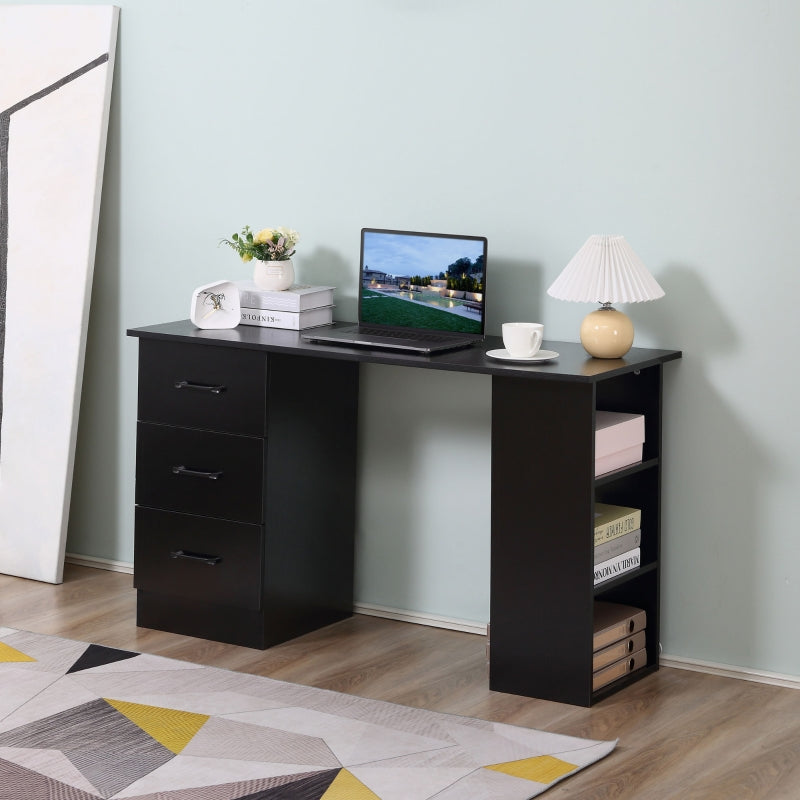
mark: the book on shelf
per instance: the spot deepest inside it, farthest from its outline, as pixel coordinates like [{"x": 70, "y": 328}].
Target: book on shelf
[
  {"x": 618, "y": 440},
  {"x": 615, "y": 547},
  {"x": 297, "y": 297},
  {"x": 615, "y": 621},
  {"x": 614, "y": 652},
  {"x": 619, "y": 669},
  {"x": 619, "y": 565},
  {"x": 622, "y": 458},
  {"x": 611, "y": 521},
  {"x": 293, "y": 320}
]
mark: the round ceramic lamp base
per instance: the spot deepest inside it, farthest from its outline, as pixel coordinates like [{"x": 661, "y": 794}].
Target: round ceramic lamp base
[{"x": 606, "y": 333}]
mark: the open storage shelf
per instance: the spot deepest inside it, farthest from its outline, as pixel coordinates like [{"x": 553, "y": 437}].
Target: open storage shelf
[{"x": 541, "y": 642}]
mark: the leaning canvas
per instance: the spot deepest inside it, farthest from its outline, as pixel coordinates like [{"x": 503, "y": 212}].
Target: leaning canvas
[{"x": 56, "y": 64}]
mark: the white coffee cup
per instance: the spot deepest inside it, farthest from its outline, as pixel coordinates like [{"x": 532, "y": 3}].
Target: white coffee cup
[{"x": 522, "y": 339}]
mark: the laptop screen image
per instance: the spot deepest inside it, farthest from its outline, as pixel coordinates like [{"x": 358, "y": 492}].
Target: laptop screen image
[{"x": 422, "y": 281}]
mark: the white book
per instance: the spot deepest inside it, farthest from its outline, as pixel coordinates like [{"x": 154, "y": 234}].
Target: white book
[
  {"x": 625, "y": 562},
  {"x": 296, "y": 298},
  {"x": 293, "y": 320}
]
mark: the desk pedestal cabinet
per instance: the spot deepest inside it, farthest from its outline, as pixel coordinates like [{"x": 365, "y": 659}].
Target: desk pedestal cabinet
[
  {"x": 246, "y": 494},
  {"x": 245, "y": 487}
]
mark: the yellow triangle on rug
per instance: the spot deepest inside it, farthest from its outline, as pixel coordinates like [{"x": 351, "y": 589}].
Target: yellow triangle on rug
[
  {"x": 346, "y": 786},
  {"x": 10, "y": 654},
  {"x": 168, "y": 726},
  {"x": 542, "y": 769}
]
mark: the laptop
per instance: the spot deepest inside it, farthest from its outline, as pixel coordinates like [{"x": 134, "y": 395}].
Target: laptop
[{"x": 418, "y": 292}]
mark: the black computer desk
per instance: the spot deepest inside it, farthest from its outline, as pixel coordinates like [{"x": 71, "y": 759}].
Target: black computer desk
[{"x": 263, "y": 550}]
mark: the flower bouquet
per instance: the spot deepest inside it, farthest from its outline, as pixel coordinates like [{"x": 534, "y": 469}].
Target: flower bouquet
[
  {"x": 268, "y": 244},
  {"x": 272, "y": 249}
]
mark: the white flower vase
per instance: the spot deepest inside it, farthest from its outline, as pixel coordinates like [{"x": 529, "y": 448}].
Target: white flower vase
[{"x": 273, "y": 275}]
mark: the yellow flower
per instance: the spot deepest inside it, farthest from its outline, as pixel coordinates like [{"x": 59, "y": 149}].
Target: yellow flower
[
  {"x": 246, "y": 257},
  {"x": 264, "y": 235}
]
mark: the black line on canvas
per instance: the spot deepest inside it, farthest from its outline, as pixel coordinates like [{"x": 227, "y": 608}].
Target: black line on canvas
[{"x": 5, "y": 129}]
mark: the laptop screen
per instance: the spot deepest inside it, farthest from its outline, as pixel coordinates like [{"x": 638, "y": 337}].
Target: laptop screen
[{"x": 424, "y": 281}]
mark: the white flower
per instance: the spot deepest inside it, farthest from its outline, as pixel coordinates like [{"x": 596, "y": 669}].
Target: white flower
[{"x": 291, "y": 236}]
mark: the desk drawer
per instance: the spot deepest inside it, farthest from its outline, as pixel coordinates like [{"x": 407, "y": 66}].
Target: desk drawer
[
  {"x": 200, "y": 472},
  {"x": 196, "y": 558},
  {"x": 218, "y": 388}
]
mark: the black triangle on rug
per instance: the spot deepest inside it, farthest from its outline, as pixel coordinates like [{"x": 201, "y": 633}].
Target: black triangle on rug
[{"x": 96, "y": 655}]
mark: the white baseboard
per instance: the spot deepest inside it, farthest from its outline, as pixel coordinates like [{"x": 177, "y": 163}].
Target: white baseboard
[
  {"x": 99, "y": 563},
  {"x": 725, "y": 670},
  {"x": 417, "y": 618},
  {"x": 728, "y": 671},
  {"x": 468, "y": 626},
  {"x": 367, "y": 609}
]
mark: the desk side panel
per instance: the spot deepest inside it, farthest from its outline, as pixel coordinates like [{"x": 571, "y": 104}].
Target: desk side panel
[
  {"x": 309, "y": 509},
  {"x": 542, "y": 495}
]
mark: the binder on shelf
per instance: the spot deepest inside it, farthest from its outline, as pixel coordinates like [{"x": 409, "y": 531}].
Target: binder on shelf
[
  {"x": 298, "y": 297},
  {"x": 618, "y": 440},
  {"x": 618, "y": 669},
  {"x": 615, "y": 621},
  {"x": 293, "y": 320},
  {"x": 618, "y": 650}
]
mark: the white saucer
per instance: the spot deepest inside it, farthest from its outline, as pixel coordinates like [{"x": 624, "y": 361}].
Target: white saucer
[{"x": 504, "y": 355}]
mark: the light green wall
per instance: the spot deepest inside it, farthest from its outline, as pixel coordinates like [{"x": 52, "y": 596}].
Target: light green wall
[{"x": 536, "y": 124}]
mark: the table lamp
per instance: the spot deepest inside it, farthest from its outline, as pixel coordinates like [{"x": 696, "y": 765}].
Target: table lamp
[{"x": 606, "y": 270}]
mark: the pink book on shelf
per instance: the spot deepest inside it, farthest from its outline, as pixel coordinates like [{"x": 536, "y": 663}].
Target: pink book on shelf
[{"x": 618, "y": 440}]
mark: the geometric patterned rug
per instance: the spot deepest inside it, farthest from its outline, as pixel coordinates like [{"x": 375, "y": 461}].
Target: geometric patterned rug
[{"x": 81, "y": 721}]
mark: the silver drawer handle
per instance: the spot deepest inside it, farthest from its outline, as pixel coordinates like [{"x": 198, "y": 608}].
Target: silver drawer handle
[
  {"x": 212, "y": 561},
  {"x": 201, "y": 387},
  {"x": 197, "y": 473}
]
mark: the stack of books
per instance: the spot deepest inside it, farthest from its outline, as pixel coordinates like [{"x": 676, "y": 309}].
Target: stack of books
[
  {"x": 295, "y": 308},
  {"x": 617, "y": 540},
  {"x": 618, "y": 643},
  {"x": 618, "y": 440}
]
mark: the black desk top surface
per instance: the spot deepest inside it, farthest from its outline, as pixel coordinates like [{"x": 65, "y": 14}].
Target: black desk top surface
[{"x": 573, "y": 363}]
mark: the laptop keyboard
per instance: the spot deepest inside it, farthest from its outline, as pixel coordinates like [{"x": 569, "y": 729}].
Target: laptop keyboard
[{"x": 414, "y": 336}]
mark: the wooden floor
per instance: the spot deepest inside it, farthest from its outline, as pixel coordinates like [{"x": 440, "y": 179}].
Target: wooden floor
[{"x": 681, "y": 734}]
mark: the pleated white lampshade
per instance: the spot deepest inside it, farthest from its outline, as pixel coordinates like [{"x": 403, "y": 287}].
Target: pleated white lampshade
[{"x": 606, "y": 270}]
